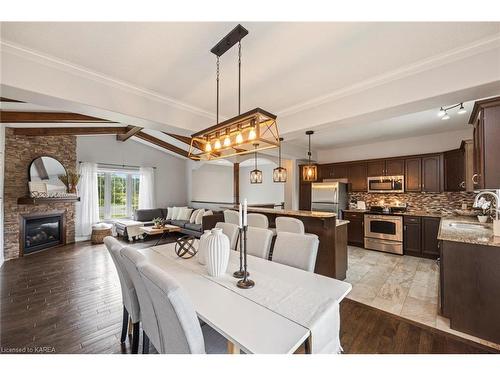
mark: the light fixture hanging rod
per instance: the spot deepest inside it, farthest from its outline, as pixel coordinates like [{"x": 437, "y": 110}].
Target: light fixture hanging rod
[
  {"x": 233, "y": 37},
  {"x": 451, "y": 107}
]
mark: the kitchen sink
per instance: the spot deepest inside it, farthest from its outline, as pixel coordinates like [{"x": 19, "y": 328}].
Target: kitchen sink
[{"x": 471, "y": 226}]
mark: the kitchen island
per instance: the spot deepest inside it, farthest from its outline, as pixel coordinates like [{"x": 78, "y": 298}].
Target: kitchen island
[{"x": 332, "y": 233}]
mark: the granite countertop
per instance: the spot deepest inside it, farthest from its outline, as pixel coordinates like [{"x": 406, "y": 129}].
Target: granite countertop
[
  {"x": 317, "y": 214},
  {"x": 482, "y": 235},
  {"x": 408, "y": 213},
  {"x": 341, "y": 222}
]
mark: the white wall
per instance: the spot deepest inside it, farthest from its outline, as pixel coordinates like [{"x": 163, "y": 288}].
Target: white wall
[
  {"x": 211, "y": 182},
  {"x": 170, "y": 173},
  {"x": 267, "y": 192},
  {"x": 398, "y": 147}
]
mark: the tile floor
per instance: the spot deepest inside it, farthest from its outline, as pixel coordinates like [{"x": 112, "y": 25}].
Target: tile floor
[{"x": 403, "y": 285}]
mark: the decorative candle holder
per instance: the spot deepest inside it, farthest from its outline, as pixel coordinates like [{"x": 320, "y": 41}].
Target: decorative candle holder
[
  {"x": 245, "y": 283},
  {"x": 241, "y": 273}
]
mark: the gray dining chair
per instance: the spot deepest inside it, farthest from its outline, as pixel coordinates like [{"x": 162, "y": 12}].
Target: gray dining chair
[
  {"x": 129, "y": 297},
  {"x": 150, "y": 332},
  {"x": 231, "y": 216},
  {"x": 296, "y": 250},
  {"x": 231, "y": 231},
  {"x": 259, "y": 242},
  {"x": 289, "y": 224},
  {"x": 179, "y": 329},
  {"x": 257, "y": 220}
]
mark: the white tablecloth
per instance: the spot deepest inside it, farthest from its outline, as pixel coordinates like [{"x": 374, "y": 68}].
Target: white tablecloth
[{"x": 308, "y": 299}]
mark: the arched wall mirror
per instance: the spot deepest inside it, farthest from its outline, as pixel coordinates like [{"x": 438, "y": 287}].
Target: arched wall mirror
[{"x": 44, "y": 173}]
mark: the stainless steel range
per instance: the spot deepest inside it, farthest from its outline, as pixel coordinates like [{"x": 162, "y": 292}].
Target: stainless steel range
[{"x": 384, "y": 233}]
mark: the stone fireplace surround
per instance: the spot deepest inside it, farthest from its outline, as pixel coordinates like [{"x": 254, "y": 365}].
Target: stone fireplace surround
[{"x": 19, "y": 152}]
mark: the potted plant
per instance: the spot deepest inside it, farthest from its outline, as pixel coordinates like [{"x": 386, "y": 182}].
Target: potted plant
[
  {"x": 158, "y": 222},
  {"x": 485, "y": 207}
]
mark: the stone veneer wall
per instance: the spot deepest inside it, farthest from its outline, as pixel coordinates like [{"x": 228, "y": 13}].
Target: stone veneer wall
[
  {"x": 433, "y": 203},
  {"x": 19, "y": 152}
]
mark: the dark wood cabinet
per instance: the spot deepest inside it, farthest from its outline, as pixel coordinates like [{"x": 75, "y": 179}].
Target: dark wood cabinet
[
  {"x": 413, "y": 174},
  {"x": 412, "y": 235},
  {"x": 420, "y": 236},
  {"x": 431, "y": 173},
  {"x": 376, "y": 168},
  {"x": 327, "y": 171},
  {"x": 430, "y": 243},
  {"x": 304, "y": 192},
  {"x": 454, "y": 170},
  {"x": 355, "y": 228},
  {"x": 389, "y": 167},
  {"x": 485, "y": 118},
  {"x": 357, "y": 177},
  {"x": 394, "y": 167}
]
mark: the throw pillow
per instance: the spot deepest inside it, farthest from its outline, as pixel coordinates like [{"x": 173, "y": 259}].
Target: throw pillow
[
  {"x": 192, "y": 219},
  {"x": 169, "y": 213},
  {"x": 180, "y": 214},
  {"x": 186, "y": 213},
  {"x": 199, "y": 216},
  {"x": 207, "y": 213},
  {"x": 175, "y": 212}
]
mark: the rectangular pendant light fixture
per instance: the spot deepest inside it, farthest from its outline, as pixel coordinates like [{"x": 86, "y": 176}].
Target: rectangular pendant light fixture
[{"x": 253, "y": 131}]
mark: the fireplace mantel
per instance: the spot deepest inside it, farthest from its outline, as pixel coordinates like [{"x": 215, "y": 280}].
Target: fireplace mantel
[{"x": 31, "y": 200}]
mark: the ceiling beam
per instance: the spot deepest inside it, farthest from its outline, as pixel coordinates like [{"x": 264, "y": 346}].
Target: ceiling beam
[
  {"x": 7, "y": 100},
  {"x": 161, "y": 143},
  {"x": 70, "y": 131},
  {"x": 26, "y": 117},
  {"x": 131, "y": 131}
]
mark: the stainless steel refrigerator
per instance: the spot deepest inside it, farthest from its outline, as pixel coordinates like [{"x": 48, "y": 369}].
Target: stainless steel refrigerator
[{"x": 329, "y": 197}]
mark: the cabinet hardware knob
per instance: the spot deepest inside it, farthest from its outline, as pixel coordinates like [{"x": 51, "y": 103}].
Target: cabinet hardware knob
[{"x": 475, "y": 177}]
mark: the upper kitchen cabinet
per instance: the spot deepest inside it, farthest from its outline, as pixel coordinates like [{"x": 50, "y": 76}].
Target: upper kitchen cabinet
[
  {"x": 454, "y": 169},
  {"x": 330, "y": 171},
  {"x": 485, "y": 118},
  {"x": 413, "y": 174},
  {"x": 431, "y": 173},
  {"x": 394, "y": 167},
  {"x": 389, "y": 167},
  {"x": 357, "y": 177}
]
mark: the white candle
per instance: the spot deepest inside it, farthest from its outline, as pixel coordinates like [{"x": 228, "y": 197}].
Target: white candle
[
  {"x": 240, "y": 217},
  {"x": 245, "y": 207}
]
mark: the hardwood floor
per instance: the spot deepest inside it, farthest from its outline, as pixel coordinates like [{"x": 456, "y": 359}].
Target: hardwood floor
[{"x": 68, "y": 300}]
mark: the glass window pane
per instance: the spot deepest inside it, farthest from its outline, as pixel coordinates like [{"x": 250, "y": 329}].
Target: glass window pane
[
  {"x": 118, "y": 195},
  {"x": 101, "y": 180}
]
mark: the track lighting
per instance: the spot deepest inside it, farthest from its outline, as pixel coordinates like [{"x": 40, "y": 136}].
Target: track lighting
[{"x": 443, "y": 111}]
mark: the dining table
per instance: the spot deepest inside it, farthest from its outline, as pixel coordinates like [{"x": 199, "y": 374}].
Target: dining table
[{"x": 287, "y": 307}]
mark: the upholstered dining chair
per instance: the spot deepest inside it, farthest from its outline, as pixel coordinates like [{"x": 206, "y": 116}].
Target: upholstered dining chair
[
  {"x": 289, "y": 224},
  {"x": 129, "y": 297},
  {"x": 132, "y": 259},
  {"x": 231, "y": 216},
  {"x": 231, "y": 231},
  {"x": 257, "y": 220},
  {"x": 259, "y": 242},
  {"x": 296, "y": 250},
  {"x": 179, "y": 329}
]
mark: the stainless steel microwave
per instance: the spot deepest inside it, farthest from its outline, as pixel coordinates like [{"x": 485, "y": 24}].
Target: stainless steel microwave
[{"x": 386, "y": 184}]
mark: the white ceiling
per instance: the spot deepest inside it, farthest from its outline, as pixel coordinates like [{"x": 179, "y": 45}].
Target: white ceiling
[
  {"x": 414, "y": 124},
  {"x": 284, "y": 64}
]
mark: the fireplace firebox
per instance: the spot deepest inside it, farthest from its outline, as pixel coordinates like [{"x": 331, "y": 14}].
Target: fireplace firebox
[{"x": 41, "y": 231}]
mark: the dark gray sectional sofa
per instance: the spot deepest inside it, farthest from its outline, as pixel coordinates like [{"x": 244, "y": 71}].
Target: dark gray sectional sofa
[{"x": 147, "y": 215}]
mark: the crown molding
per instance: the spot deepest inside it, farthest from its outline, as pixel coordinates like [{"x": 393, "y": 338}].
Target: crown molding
[
  {"x": 54, "y": 62},
  {"x": 477, "y": 47}
]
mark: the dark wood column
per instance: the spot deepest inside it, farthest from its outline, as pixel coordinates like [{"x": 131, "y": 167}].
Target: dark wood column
[{"x": 236, "y": 183}]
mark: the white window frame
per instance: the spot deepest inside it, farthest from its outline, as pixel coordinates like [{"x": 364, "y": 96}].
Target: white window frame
[{"x": 107, "y": 190}]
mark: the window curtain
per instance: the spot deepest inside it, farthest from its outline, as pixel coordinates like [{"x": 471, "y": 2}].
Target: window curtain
[
  {"x": 87, "y": 210},
  {"x": 146, "y": 188}
]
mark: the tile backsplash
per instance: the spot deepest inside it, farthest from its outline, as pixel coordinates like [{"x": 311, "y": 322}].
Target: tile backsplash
[{"x": 435, "y": 203}]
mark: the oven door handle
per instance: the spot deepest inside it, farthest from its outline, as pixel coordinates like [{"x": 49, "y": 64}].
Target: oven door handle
[{"x": 384, "y": 242}]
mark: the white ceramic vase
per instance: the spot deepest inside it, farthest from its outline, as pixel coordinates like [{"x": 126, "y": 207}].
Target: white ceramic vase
[
  {"x": 217, "y": 252},
  {"x": 202, "y": 248},
  {"x": 482, "y": 218}
]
